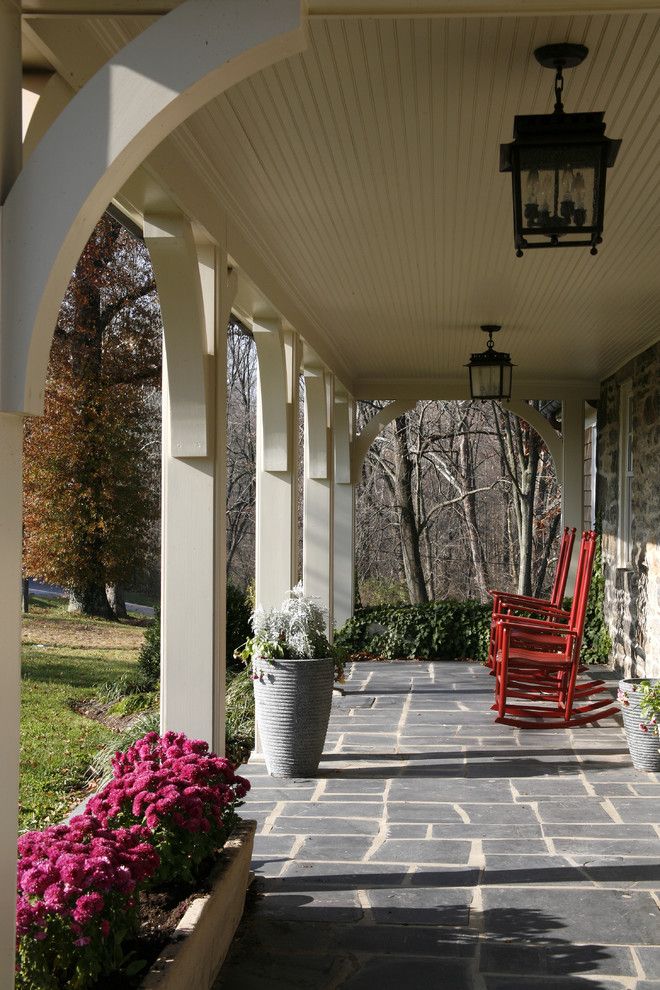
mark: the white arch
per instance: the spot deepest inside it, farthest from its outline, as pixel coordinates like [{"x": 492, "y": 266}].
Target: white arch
[
  {"x": 543, "y": 427},
  {"x": 384, "y": 416},
  {"x": 374, "y": 428},
  {"x": 134, "y": 101}
]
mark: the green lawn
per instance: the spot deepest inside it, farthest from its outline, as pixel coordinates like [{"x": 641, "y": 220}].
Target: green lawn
[{"x": 56, "y": 742}]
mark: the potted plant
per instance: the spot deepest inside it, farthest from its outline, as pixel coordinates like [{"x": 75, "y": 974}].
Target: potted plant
[
  {"x": 640, "y": 704},
  {"x": 293, "y": 669}
]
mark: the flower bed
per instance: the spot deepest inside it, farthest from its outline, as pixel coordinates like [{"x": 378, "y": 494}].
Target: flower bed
[{"x": 168, "y": 809}]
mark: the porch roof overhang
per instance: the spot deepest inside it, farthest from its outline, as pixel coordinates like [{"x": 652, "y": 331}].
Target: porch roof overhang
[{"x": 362, "y": 194}]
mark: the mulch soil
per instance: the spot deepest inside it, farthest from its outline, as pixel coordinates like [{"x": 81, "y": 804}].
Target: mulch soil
[{"x": 160, "y": 913}]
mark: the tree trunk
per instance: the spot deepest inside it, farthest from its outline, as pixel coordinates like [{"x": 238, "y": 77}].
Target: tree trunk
[
  {"x": 90, "y": 600},
  {"x": 25, "y": 594},
  {"x": 116, "y": 600},
  {"x": 412, "y": 558},
  {"x": 543, "y": 563},
  {"x": 470, "y": 514}
]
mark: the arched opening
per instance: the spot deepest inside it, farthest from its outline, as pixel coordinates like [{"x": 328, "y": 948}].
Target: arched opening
[{"x": 454, "y": 498}]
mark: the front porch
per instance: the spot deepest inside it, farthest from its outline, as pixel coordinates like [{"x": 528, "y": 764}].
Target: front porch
[{"x": 437, "y": 849}]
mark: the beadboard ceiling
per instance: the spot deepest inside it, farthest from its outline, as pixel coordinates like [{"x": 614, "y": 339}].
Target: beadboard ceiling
[{"x": 366, "y": 170}]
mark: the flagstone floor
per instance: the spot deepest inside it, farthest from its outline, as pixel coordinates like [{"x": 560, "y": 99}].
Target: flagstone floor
[{"x": 435, "y": 849}]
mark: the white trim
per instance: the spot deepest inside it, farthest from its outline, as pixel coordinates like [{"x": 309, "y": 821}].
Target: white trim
[{"x": 623, "y": 542}]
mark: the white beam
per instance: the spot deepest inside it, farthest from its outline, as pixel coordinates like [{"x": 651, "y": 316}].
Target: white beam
[
  {"x": 11, "y": 102},
  {"x": 411, "y": 390}
]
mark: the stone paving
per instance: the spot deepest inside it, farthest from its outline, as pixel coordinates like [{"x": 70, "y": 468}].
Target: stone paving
[{"x": 436, "y": 849}]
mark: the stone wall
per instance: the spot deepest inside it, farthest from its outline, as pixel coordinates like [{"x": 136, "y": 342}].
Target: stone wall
[{"x": 632, "y": 596}]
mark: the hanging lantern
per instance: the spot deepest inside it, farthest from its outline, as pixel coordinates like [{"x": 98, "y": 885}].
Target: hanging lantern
[
  {"x": 490, "y": 370},
  {"x": 558, "y": 164}
]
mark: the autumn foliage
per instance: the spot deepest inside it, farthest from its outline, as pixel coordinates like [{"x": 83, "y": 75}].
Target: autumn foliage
[{"x": 91, "y": 462}]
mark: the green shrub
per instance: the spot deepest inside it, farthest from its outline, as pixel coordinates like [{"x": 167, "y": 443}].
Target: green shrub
[
  {"x": 239, "y": 629},
  {"x": 100, "y": 770},
  {"x": 131, "y": 704},
  {"x": 443, "y": 630},
  {"x": 596, "y": 642},
  {"x": 239, "y": 732},
  {"x": 149, "y": 657},
  {"x": 378, "y": 591}
]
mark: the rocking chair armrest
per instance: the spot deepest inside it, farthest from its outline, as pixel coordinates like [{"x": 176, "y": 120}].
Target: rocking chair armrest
[
  {"x": 522, "y": 600},
  {"x": 519, "y": 622},
  {"x": 540, "y": 609}
]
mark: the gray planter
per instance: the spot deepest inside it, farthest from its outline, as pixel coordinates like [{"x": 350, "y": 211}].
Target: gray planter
[
  {"x": 644, "y": 746},
  {"x": 292, "y": 700}
]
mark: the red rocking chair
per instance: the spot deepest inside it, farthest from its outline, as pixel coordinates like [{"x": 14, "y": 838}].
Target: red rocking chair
[
  {"x": 538, "y": 661},
  {"x": 505, "y": 603}
]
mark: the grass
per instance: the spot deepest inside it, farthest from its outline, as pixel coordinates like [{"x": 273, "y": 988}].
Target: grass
[
  {"x": 141, "y": 598},
  {"x": 65, "y": 658}
]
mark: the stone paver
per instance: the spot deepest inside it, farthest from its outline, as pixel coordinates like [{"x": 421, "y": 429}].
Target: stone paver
[{"x": 435, "y": 849}]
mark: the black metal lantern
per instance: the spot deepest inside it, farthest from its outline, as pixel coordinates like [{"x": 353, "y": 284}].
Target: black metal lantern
[
  {"x": 558, "y": 163},
  {"x": 490, "y": 370}
]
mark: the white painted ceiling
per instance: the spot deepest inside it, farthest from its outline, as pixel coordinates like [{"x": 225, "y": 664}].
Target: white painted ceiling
[{"x": 366, "y": 169}]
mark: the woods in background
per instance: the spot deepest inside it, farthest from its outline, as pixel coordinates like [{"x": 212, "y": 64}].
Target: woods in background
[
  {"x": 92, "y": 462},
  {"x": 455, "y": 496}
]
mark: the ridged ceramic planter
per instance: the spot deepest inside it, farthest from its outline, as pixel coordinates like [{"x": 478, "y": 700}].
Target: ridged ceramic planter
[
  {"x": 292, "y": 701},
  {"x": 644, "y": 746}
]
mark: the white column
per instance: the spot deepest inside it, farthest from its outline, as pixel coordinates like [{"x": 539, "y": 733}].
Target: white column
[
  {"x": 344, "y": 512},
  {"x": 11, "y": 501},
  {"x": 195, "y": 300},
  {"x": 276, "y": 564},
  {"x": 11, "y": 444},
  {"x": 318, "y": 535},
  {"x": 572, "y": 492}
]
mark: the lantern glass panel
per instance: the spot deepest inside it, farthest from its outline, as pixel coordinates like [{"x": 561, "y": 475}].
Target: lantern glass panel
[
  {"x": 559, "y": 188},
  {"x": 485, "y": 381},
  {"x": 506, "y": 381}
]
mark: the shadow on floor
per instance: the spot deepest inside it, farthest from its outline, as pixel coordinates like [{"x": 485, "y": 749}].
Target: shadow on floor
[
  {"x": 502, "y": 949},
  {"x": 457, "y": 877}
]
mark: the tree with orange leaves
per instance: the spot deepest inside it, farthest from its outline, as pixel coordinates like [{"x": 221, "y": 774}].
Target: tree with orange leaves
[{"x": 91, "y": 462}]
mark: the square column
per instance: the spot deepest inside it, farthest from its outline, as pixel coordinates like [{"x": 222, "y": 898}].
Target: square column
[
  {"x": 344, "y": 512},
  {"x": 11, "y": 504},
  {"x": 11, "y": 510},
  {"x": 572, "y": 491},
  {"x": 276, "y": 564},
  {"x": 318, "y": 516},
  {"x": 195, "y": 295}
]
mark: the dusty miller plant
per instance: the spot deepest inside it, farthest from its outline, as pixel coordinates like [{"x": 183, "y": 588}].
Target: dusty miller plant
[
  {"x": 297, "y": 626},
  {"x": 295, "y": 630}
]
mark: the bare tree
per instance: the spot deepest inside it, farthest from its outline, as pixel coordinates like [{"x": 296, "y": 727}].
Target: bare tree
[{"x": 241, "y": 452}]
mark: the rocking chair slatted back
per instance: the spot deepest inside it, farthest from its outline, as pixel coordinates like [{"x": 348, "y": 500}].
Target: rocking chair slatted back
[
  {"x": 539, "y": 661},
  {"x": 504, "y": 603},
  {"x": 563, "y": 565}
]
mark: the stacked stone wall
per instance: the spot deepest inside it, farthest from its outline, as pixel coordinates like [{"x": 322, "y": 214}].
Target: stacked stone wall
[{"x": 632, "y": 595}]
